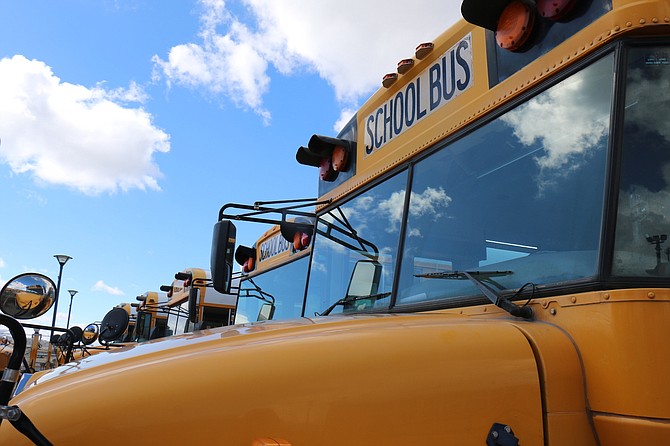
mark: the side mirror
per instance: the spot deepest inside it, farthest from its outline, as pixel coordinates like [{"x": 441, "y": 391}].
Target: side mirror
[
  {"x": 113, "y": 325},
  {"x": 193, "y": 305},
  {"x": 223, "y": 251},
  {"x": 365, "y": 278},
  {"x": 267, "y": 312},
  {"x": 90, "y": 334},
  {"x": 27, "y": 296}
]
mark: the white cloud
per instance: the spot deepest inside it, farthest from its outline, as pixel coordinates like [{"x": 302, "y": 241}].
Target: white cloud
[
  {"x": 2, "y": 263},
  {"x": 429, "y": 202},
  {"x": 102, "y": 286},
  {"x": 349, "y": 43},
  {"x": 65, "y": 134},
  {"x": 581, "y": 104}
]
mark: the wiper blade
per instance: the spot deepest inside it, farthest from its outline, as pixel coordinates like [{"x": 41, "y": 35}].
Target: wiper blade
[
  {"x": 478, "y": 278},
  {"x": 349, "y": 299}
]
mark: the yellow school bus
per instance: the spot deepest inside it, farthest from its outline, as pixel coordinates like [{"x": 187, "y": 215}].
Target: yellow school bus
[
  {"x": 489, "y": 262},
  {"x": 194, "y": 305},
  {"x": 272, "y": 284}
]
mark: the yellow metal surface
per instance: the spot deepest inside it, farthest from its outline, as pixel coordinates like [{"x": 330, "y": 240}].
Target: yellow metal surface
[
  {"x": 620, "y": 337},
  {"x": 392, "y": 380}
]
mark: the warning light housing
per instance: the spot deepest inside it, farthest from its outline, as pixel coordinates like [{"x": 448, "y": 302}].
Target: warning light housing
[
  {"x": 246, "y": 257},
  {"x": 299, "y": 232},
  {"x": 330, "y": 155}
]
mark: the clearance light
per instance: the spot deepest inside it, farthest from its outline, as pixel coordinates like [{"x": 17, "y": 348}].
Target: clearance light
[
  {"x": 246, "y": 257},
  {"x": 330, "y": 155},
  {"x": 405, "y": 65},
  {"x": 555, "y": 9},
  {"x": 423, "y": 49},
  {"x": 515, "y": 25},
  {"x": 389, "y": 79}
]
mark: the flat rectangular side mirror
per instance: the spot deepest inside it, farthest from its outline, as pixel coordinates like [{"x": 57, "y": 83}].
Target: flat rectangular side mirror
[
  {"x": 364, "y": 279},
  {"x": 267, "y": 312},
  {"x": 223, "y": 251},
  {"x": 193, "y": 305}
]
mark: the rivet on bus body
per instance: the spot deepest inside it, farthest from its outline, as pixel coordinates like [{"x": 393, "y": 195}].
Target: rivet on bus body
[
  {"x": 617, "y": 28},
  {"x": 553, "y": 311},
  {"x": 654, "y": 20},
  {"x": 651, "y": 295},
  {"x": 629, "y": 24},
  {"x": 642, "y": 21},
  {"x": 606, "y": 296},
  {"x": 573, "y": 299}
]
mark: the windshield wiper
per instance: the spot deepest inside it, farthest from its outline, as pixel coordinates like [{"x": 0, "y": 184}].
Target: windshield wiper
[
  {"x": 349, "y": 299},
  {"x": 494, "y": 296}
]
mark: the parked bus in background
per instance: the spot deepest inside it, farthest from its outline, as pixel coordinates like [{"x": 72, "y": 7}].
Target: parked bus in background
[
  {"x": 488, "y": 259},
  {"x": 194, "y": 305},
  {"x": 272, "y": 284}
]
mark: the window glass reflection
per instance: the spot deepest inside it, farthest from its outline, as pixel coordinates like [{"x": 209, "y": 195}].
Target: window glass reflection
[
  {"x": 643, "y": 220},
  {"x": 376, "y": 216},
  {"x": 522, "y": 194},
  {"x": 286, "y": 284}
]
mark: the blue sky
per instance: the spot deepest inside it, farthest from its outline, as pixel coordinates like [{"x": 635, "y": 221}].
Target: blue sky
[{"x": 126, "y": 125}]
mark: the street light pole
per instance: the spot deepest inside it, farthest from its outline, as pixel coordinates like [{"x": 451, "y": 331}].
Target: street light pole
[
  {"x": 72, "y": 293},
  {"x": 62, "y": 260}
]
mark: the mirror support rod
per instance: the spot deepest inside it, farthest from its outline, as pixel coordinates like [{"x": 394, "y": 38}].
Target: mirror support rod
[{"x": 260, "y": 208}]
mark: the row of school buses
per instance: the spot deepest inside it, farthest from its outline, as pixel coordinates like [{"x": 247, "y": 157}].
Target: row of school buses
[
  {"x": 486, "y": 264},
  {"x": 268, "y": 287}
]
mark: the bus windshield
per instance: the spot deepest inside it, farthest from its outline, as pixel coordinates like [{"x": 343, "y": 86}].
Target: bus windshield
[
  {"x": 523, "y": 193},
  {"x": 286, "y": 284}
]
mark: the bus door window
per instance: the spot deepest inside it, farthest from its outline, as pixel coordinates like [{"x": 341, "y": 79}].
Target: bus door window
[
  {"x": 524, "y": 193},
  {"x": 376, "y": 215},
  {"x": 643, "y": 221}
]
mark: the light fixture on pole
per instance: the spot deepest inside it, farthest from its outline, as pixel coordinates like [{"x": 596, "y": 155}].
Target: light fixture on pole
[
  {"x": 62, "y": 260},
  {"x": 72, "y": 293}
]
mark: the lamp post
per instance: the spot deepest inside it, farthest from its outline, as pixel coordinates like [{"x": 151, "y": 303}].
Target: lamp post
[
  {"x": 72, "y": 293},
  {"x": 62, "y": 260}
]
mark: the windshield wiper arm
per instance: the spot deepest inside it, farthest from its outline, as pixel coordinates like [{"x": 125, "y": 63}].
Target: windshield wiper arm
[
  {"x": 350, "y": 299},
  {"x": 494, "y": 296}
]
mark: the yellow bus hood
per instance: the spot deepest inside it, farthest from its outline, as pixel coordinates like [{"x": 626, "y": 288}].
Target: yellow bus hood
[{"x": 391, "y": 379}]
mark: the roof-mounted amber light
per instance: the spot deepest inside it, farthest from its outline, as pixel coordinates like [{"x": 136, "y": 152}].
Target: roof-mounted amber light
[
  {"x": 423, "y": 50},
  {"x": 389, "y": 79},
  {"x": 405, "y": 65},
  {"x": 330, "y": 155}
]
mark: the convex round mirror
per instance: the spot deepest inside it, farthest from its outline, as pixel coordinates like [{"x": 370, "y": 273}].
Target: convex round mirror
[
  {"x": 27, "y": 296},
  {"x": 90, "y": 334}
]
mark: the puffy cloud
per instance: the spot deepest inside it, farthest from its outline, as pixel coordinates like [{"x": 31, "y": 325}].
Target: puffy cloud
[
  {"x": 102, "y": 286},
  {"x": 84, "y": 138},
  {"x": 350, "y": 44}
]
